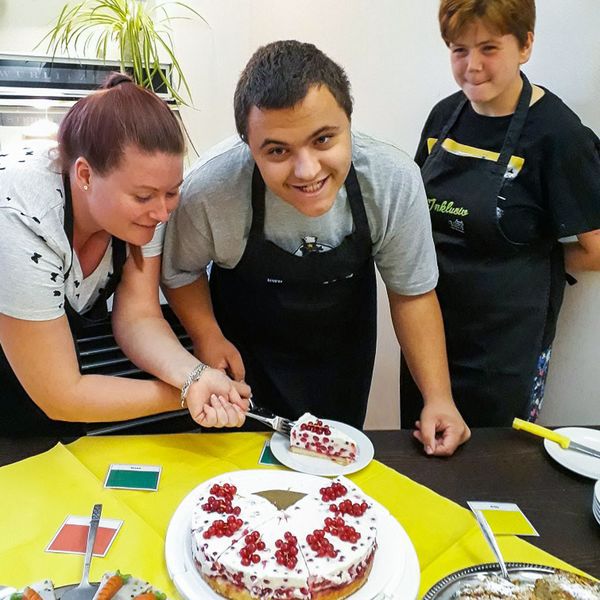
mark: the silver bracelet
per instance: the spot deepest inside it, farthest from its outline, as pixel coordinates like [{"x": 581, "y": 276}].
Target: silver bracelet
[{"x": 194, "y": 375}]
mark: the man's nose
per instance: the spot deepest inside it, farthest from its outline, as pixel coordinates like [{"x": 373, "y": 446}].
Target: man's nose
[{"x": 306, "y": 165}]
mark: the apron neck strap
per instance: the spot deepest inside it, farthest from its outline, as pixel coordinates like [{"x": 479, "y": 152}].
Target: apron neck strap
[
  {"x": 68, "y": 224},
  {"x": 355, "y": 200},
  {"x": 449, "y": 125},
  {"x": 515, "y": 128},
  {"x": 258, "y": 203}
]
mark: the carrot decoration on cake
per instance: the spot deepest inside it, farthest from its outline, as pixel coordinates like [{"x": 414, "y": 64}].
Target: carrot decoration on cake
[
  {"x": 41, "y": 590},
  {"x": 113, "y": 584},
  {"x": 27, "y": 594}
]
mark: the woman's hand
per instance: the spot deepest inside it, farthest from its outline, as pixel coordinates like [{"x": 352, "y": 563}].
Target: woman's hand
[{"x": 214, "y": 400}]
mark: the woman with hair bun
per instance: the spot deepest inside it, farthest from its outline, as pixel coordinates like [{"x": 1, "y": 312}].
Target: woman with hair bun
[
  {"x": 73, "y": 231},
  {"x": 508, "y": 170}
]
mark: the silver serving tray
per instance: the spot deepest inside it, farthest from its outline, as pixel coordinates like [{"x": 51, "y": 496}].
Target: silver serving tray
[
  {"x": 59, "y": 591},
  {"x": 450, "y": 585}
]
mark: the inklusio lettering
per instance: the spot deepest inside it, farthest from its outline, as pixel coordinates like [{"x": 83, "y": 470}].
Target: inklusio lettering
[{"x": 447, "y": 207}]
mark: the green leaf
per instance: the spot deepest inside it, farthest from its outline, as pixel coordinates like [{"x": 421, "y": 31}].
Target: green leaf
[{"x": 136, "y": 29}]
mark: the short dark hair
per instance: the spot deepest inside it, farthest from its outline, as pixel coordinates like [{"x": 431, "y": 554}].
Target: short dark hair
[
  {"x": 280, "y": 74},
  {"x": 515, "y": 17},
  {"x": 100, "y": 126}
]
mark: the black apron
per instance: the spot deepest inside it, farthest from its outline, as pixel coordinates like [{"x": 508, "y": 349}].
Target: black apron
[
  {"x": 19, "y": 415},
  {"x": 304, "y": 325},
  {"x": 499, "y": 299}
]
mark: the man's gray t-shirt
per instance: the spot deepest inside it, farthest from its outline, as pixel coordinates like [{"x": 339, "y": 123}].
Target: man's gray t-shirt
[
  {"x": 212, "y": 222},
  {"x": 35, "y": 252}
]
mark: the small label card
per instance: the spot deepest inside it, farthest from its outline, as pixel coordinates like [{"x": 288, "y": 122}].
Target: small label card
[
  {"x": 71, "y": 537},
  {"x": 133, "y": 477},
  {"x": 504, "y": 518},
  {"x": 267, "y": 457}
]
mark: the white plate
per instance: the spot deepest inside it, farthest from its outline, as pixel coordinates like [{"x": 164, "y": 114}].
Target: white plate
[
  {"x": 584, "y": 464},
  {"x": 395, "y": 567},
  {"x": 597, "y": 494},
  {"x": 280, "y": 446}
]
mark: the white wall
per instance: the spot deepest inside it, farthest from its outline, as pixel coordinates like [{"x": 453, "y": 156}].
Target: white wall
[{"x": 398, "y": 66}]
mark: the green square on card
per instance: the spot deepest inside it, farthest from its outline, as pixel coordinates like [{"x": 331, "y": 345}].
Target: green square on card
[{"x": 139, "y": 480}]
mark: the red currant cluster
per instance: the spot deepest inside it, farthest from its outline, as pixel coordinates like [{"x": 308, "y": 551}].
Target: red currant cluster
[
  {"x": 221, "y": 528},
  {"x": 320, "y": 544},
  {"x": 338, "y": 527},
  {"x": 223, "y": 491},
  {"x": 317, "y": 427},
  {"x": 253, "y": 544},
  {"x": 333, "y": 492},
  {"x": 222, "y": 506},
  {"x": 287, "y": 551},
  {"x": 346, "y": 507},
  {"x": 221, "y": 499}
]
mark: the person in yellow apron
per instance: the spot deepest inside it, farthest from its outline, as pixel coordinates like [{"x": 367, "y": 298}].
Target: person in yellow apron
[
  {"x": 65, "y": 225},
  {"x": 508, "y": 170}
]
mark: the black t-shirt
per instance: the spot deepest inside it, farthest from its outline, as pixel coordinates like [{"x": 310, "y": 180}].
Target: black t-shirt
[{"x": 554, "y": 172}]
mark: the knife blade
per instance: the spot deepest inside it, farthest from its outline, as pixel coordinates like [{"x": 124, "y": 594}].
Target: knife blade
[{"x": 562, "y": 440}]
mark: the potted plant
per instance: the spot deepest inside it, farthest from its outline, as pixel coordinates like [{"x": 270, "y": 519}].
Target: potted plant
[{"x": 140, "y": 29}]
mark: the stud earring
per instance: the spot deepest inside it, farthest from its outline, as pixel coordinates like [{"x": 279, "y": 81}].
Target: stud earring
[{"x": 85, "y": 188}]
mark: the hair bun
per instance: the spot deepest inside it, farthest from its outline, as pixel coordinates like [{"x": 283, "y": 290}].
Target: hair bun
[{"x": 115, "y": 79}]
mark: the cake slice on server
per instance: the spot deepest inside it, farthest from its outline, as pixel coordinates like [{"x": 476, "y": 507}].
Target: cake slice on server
[{"x": 313, "y": 437}]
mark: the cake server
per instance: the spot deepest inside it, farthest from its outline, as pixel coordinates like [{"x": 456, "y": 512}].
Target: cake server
[
  {"x": 562, "y": 440},
  {"x": 265, "y": 416},
  {"x": 86, "y": 590},
  {"x": 491, "y": 540}
]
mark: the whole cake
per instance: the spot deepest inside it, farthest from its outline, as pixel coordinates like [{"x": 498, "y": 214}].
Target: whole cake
[
  {"x": 313, "y": 437},
  {"x": 320, "y": 547}
]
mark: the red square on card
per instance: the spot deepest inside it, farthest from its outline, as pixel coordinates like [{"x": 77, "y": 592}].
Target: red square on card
[{"x": 73, "y": 538}]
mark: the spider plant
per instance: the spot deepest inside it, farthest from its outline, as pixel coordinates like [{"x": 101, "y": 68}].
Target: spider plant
[{"x": 139, "y": 29}]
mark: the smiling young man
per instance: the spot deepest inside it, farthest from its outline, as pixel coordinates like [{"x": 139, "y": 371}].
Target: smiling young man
[{"x": 294, "y": 217}]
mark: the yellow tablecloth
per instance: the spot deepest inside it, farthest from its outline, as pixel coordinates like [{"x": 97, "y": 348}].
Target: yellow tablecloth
[{"x": 39, "y": 492}]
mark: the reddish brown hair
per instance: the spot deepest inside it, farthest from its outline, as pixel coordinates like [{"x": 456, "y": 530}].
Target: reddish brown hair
[
  {"x": 516, "y": 17},
  {"x": 101, "y": 125}
]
